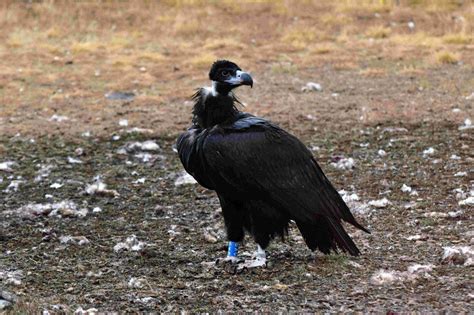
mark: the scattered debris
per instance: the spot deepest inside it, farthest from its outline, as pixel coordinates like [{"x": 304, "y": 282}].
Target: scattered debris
[
  {"x": 64, "y": 208},
  {"x": 11, "y": 277},
  {"x": 394, "y": 130},
  {"x": 43, "y": 172},
  {"x": 209, "y": 237},
  {"x": 120, "y": 96},
  {"x": 184, "y": 179},
  {"x": 79, "y": 240},
  {"x": 146, "y": 157},
  {"x": 435, "y": 214},
  {"x": 139, "y": 130},
  {"x": 72, "y": 160},
  {"x": 383, "y": 277},
  {"x": 469, "y": 201},
  {"x": 96, "y": 210},
  {"x": 13, "y": 186},
  {"x": 79, "y": 151},
  {"x": 123, "y": 122},
  {"x": 381, "y": 203},
  {"x": 467, "y": 125},
  {"x": 133, "y": 147},
  {"x": 460, "y": 174},
  {"x": 130, "y": 244},
  {"x": 415, "y": 271},
  {"x": 4, "y": 304},
  {"x": 455, "y": 214},
  {"x": 140, "y": 181},
  {"x": 458, "y": 255},
  {"x": 429, "y": 151},
  {"x": 418, "y": 269},
  {"x": 58, "y": 118},
  {"x": 417, "y": 237},
  {"x": 406, "y": 188},
  {"x": 100, "y": 188},
  {"x": 312, "y": 87},
  {"x": 7, "y": 166},
  {"x": 470, "y": 97},
  {"x": 146, "y": 299},
  {"x": 56, "y": 185},
  {"x": 342, "y": 163},
  {"x": 81, "y": 311},
  {"x": 136, "y": 283},
  {"x": 381, "y": 153}
]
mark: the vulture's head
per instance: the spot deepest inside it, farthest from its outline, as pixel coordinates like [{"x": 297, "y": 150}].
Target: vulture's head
[{"x": 226, "y": 76}]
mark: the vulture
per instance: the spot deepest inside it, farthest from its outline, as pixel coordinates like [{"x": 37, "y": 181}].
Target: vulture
[{"x": 264, "y": 177}]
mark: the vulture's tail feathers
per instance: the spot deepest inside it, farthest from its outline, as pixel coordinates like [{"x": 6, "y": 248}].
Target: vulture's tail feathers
[{"x": 342, "y": 239}]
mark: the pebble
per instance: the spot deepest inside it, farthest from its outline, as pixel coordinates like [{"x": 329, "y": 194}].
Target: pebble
[{"x": 312, "y": 87}]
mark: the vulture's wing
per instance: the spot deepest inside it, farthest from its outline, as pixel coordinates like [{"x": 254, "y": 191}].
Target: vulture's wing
[{"x": 257, "y": 158}]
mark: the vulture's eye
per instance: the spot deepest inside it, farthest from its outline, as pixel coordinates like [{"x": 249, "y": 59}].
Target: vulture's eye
[{"x": 225, "y": 73}]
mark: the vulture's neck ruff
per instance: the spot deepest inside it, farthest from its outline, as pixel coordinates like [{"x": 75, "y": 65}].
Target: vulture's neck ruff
[{"x": 214, "y": 105}]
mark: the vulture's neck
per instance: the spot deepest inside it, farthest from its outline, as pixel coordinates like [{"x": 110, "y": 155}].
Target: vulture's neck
[{"x": 212, "y": 108}]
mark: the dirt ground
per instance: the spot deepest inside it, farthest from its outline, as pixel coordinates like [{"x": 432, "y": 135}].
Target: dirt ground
[{"x": 95, "y": 210}]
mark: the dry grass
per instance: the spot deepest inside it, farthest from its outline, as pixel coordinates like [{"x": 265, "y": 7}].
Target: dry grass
[
  {"x": 378, "y": 32},
  {"x": 447, "y": 57},
  {"x": 458, "y": 39},
  {"x": 54, "y": 43}
]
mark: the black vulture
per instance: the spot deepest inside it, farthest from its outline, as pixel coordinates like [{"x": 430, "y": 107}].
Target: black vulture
[{"x": 264, "y": 177}]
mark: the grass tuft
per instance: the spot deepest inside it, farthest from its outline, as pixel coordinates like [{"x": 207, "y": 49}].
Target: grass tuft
[
  {"x": 378, "y": 32},
  {"x": 203, "y": 61},
  {"x": 446, "y": 57},
  {"x": 284, "y": 68},
  {"x": 457, "y": 39}
]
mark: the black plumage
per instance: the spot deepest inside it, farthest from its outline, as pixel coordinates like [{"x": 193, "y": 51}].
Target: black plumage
[{"x": 264, "y": 176}]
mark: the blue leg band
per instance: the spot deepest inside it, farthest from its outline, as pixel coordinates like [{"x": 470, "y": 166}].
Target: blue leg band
[{"x": 233, "y": 249}]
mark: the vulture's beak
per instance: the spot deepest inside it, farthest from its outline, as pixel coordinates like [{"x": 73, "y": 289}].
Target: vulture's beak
[{"x": 240, "y": 78}]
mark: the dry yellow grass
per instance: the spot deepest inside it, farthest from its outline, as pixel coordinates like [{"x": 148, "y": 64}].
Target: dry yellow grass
[
  {"x": 284, "y": 67},
  {"x": 97, "y": 46},
  {"x": 373, "y": 72},
  {"x": 458, "y": 39},
  {"x": 323, "y": 49},
  {"x": 203, "y": 61},
  {"x": 378, "y": 32},
  {"x": 416, "y": 39},
  {"x": 446, "y": 57}
]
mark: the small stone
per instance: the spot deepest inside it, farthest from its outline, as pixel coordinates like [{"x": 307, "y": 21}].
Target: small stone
[
  {"x": 429, "y": 151},
  {"x": 467, "y": 125},
  {"x": 56, "y": 185},
  {"x": 312, "y": 87},
  {"x": 96, "y": 210},
  {"x": 381, "y": 203},
  {"x": 184, "y": 179},
  {"x": 4, "y": 304},
  {"x": 406, "y": 188},
  {"x": 72, "y": 160}
]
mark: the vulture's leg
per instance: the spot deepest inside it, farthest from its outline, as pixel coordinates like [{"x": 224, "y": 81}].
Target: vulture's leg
[{"x": 259, "y": 259}]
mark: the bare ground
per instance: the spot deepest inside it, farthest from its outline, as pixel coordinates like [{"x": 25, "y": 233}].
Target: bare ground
[
  {"x": 182, "y": 226},
  {"x": 387, "y": 85}
]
